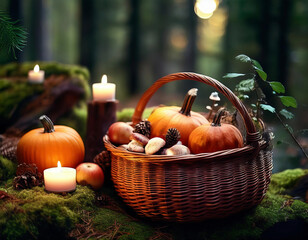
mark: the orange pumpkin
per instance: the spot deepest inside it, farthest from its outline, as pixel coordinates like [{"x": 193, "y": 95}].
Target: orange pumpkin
[
  {"x": 183, "y": 119},
  {"x": 215, "y": 136},
  {"x": 46, "y": 146}
]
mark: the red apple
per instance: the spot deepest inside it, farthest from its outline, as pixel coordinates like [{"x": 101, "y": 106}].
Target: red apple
[
  {"x": 90, "y": 174},
  {"x": 119, "y": 133}
]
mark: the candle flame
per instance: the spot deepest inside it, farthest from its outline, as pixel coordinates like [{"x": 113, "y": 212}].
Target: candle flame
[
  {"x": 36, "y": 68},
  {"x": 104, "y": 79},
  {"x": 59, "y": 164}
]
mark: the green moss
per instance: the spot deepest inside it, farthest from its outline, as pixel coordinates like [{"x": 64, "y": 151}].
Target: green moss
[
  {"x": 7, "y": 169},
  {"x": 128, "y": 229},
  {"x": 79, "y": 74},
  {"x": 286, "y": 179},
  {"x": 38, "y": 214},
  {"x": 125, "y": 115},
  {"x": 12, "y": 94}
]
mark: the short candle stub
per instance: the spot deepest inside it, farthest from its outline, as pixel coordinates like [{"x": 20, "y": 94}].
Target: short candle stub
[
  {"x": 60, "y": 179},
  {"x": 36, "y": 76}
]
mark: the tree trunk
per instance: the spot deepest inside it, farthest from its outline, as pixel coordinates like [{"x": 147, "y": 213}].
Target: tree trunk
[
  {"x": 264, "y": 31},
  {"x": 133, "y": 47},
  {"x": 39, "y": 34},
  {"x": 87, "y": 39},
  {"x": 190, "y": 56},
  {"x": 162, "y": 28},
  {"x": 191, "y": 49},
  {"x": 283, "y": 44}
]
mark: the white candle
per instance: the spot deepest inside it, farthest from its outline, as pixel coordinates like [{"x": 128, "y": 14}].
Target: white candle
[
  {"x": 36, "y": 75},
  {"x": 60, "y": 179},
  {"x": 104, "y": 91}
]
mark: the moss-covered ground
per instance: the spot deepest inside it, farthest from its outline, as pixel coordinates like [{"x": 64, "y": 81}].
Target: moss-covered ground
[{"x": 85, "y": 214}]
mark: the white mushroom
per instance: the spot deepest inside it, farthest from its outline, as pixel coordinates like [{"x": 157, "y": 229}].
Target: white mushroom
[
  {"x": 135, "y": 146},
  {"x": 154, "y": 145},
  {"x": 214, "y": 96},
  {"x": 178, "y": 150}
]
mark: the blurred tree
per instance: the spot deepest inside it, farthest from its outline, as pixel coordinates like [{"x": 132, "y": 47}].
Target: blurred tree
[
  {"x": 190, "y": 56},
  {"x": 39, "y": 31},
  {"x": 285, "y": 11},
  {"x": 133, "y": 46},
  {"x": 87, "y": 32},
  {"x": 162, "y": 15}
]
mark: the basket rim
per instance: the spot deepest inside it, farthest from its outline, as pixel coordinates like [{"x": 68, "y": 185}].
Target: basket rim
[{"x": 159, "y": 159}]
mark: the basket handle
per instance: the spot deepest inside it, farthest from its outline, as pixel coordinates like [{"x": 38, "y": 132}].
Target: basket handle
[{"x": 252, "y": 134}]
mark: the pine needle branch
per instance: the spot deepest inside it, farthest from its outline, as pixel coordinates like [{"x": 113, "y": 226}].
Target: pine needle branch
[{"x": 12, "y": 35}]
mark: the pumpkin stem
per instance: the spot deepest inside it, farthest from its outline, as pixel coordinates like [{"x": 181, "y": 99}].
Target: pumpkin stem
[
  {"x": 188, "y": 101},
  {"x": 217, "y": 117},
  {"x": 47, "y": 124}
]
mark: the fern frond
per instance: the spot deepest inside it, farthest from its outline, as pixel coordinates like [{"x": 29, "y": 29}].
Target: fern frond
[{"x": 12, "y": 35}]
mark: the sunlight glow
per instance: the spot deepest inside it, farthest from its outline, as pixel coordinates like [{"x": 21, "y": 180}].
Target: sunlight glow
[{"x": 205, "y": 8}]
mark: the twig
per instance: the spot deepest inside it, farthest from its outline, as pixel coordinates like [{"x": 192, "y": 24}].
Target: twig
[{"x": 292, "y": 135}]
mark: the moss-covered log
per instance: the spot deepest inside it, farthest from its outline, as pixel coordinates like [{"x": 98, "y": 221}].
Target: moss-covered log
[{"x": 65, "y": 87}]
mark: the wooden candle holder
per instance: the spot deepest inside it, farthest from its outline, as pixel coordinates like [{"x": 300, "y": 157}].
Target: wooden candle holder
[{"x": 101, "y": 114}]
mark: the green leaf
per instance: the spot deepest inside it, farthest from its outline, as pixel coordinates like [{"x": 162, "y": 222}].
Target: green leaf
[
  {"x": 243, "y": 58},
  {"x": 256, "y": 64},
  {"x": 234, "y": 75},
  {"x": 277, "y": 87},
  {"x": 243, "y": 96},
  {"x": 288, "y": 101},
  {"x": 253, "y": 105},
  {"x": 267, "y": 108},
  {"x": 245, "y": 85},
  {"x": 286, "y": 114},
  {"x": 261, "y": 73}
]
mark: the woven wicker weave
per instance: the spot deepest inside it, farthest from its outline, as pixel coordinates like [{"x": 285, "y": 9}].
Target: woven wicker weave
[{"x": 198, "y": 186}]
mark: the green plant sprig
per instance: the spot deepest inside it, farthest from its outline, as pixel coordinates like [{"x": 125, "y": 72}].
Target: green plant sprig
[
  {"x": 253, "y": 82},
  {"x": 12, "y": 36}
]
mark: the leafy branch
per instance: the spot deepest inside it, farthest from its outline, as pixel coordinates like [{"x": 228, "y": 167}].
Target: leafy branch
[
  {"x": 12, "y": 36},
  {"x": 254, "y": 82}
]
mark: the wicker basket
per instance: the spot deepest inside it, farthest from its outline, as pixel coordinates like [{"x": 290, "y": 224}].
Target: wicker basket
[{"x": 198, "y": 186}]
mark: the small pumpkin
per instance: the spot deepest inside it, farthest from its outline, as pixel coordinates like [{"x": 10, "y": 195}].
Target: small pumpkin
[
  {"x": 183, "y": 119},
  {"x": 215, "y": 136},
  {"x": 50, "y": 144}
]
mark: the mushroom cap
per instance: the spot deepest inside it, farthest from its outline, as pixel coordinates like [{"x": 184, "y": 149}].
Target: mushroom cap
[{"x": 214, "y": 96}]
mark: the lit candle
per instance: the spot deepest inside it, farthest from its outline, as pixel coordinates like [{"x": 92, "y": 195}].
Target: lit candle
[
  {"x": 104, "y": 91},
  {"x": 36, "y": 75},
  {"x": 60, "y": 179}
]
